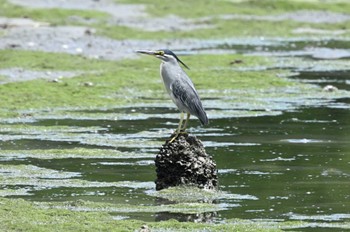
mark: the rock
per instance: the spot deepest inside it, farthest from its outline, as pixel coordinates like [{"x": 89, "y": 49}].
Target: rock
[
  {"x": 88, "y": 84},
  {"x": 330, "y": 88},
  {"x": 144, "y": 228},
  {"x": 185, "y": 162}
]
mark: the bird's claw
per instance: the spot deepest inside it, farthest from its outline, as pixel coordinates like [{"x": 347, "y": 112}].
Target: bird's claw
[
  {"x": 177, "y": 135},
  {"x": 173, "y": 138}
]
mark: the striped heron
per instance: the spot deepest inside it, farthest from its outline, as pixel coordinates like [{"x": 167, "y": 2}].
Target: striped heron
[{"x": 179, "y": 87}]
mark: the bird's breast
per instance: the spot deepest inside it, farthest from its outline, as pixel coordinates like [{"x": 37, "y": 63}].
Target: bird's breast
[{"x": 168, "y": 76}]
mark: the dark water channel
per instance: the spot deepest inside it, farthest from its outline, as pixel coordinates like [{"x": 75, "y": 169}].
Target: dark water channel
[
  {"x": 300, "y": 166},
  {"x": 292, "y": 166}
]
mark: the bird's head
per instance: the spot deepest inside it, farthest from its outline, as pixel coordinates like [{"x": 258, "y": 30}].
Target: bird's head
[{"x": 165, "y": 55}]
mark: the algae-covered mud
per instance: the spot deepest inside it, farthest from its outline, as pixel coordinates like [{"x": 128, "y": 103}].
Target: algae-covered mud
[{"x": 82, "y": 117}]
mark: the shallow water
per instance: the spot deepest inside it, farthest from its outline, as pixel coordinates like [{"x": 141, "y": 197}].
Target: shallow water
[
  {"x": 290, "y": 165},
  {"x": 295, "y": 165}
]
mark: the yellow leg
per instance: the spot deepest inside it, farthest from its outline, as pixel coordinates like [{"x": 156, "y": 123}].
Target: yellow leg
[
  {"x": 185, "y": 125},
  {"x": 180, "y": 123},
  {"x": 179, "y": 128}
]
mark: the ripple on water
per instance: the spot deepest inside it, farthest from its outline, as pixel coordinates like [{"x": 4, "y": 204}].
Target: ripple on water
[
  {"x": 306, "y": 141},
  {"x": 137, "y": 163},
  {"x": 321, "y": 217},
  {"x": 246, "y": 172},
  {"x": 278, "y": 159}
]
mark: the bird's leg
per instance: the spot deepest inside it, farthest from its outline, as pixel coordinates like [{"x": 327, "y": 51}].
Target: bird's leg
[
  {"x": 185, "y": 125},
  {"x": 179, "y": 128},
  {"x": 180, "y": 123}
]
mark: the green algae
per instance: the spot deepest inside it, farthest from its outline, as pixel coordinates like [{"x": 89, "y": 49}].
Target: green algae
[
  {"x": 199, "y": 8},
  {"x": 47, "y": 61},
  {"x": 49, "y": 217},
  {"x": 302, "y": 64},
  {"x": 5, "y": 192},
  {"x": 88, "y": 206},
  {"x": 30, "y": 129},
  {"x": 82, "y": 136},
  {"x": 37, "y": 177},
  {"x": 39, "y": 93},
  {"x": 194, "y": 194},
  {"x": 74, "y": 153},
  {"x": 109, "y": 87},
  {"x": 14, "y": 218},
  {"x": 54, "y": 16},
  {"x": 12, "y": 172},
  {"x": 206, "y": 11},
  {"x": 38, "y": 218},
  {"x": 229, "y": 28},
  {"x": 209, "y": 13},
  {"x": 252, "y": 80}
]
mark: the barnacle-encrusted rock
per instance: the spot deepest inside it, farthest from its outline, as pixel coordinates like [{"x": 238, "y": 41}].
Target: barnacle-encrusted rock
[{"x": 185, "y": 162}]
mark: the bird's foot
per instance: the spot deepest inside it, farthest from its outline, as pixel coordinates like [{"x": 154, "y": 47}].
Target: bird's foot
[
  {"x": 173, "y": 138},
  {"x": 177, "y": 133}
]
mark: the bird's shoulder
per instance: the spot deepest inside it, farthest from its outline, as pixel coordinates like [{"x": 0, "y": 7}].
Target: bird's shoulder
[{"x": 181, "y": 87}]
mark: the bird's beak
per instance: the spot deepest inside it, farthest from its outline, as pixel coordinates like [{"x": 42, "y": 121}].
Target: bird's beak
[
  {"x": 159, "y": 54},
  {"x": 152, "y": 53}
]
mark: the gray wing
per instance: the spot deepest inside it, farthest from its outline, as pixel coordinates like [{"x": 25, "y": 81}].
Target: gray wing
[{"x": 187, "y": 99}]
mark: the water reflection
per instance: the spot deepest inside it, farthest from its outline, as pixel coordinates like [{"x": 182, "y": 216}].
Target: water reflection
[{"x": 208, "y": 217}]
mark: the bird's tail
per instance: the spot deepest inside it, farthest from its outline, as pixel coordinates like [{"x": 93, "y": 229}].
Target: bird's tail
[{"x": 198, "y": 110}]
